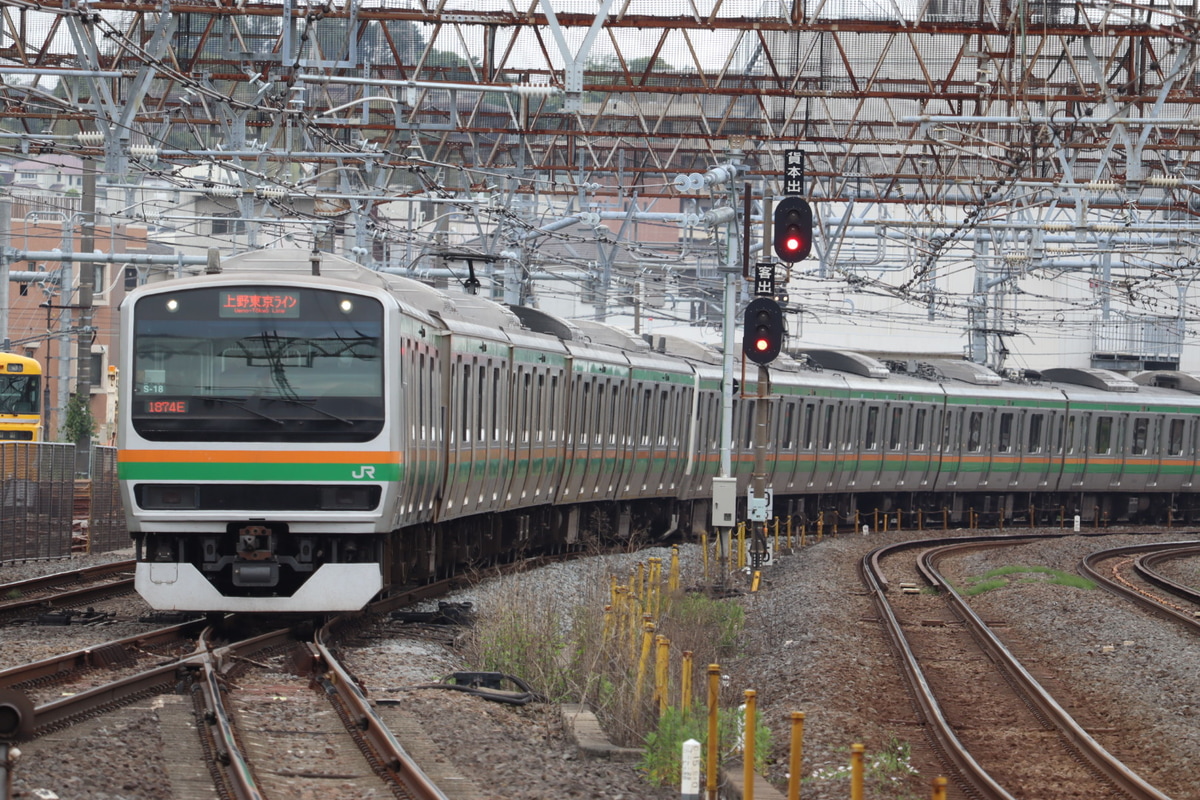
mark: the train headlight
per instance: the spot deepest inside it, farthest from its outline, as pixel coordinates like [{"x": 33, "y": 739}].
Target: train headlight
[
  {"x": 348, "y": 498},
  {"x": 346, "y": 305},
  {"x": 172, "y": 305},
  {"x": 167, "y": 496}
]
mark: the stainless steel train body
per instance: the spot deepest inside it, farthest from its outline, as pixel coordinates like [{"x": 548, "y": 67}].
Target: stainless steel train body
[{"x": 300, "y": 442}]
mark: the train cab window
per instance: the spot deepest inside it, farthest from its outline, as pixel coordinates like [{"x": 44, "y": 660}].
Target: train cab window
[
  {"x": 827, "y": 429},
  {"x": 1035, "y": 433},
  {"x": 1141, "y": 434},
  {"x": 1175, "y": 438},
  {"x": 918, "y": 436},
  {"x": 896, "y": 433},
  {"x": 1004, "y": 440},
  {"x": 975, "y": 432},
  {"x": 1103, "y": 439},
  {"x": 870, "y": 435},
  {"x": 809, "y": 413}
]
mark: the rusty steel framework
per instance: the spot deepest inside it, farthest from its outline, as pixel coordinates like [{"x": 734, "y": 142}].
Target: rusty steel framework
[{"x": 1020, "y": 138}]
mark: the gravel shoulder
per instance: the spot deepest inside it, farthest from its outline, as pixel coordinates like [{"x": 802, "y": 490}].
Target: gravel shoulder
[{"x": 811, "y": 644}]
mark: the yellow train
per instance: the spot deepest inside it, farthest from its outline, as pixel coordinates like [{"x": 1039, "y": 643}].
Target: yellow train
[{"x": 20, "y": 399}]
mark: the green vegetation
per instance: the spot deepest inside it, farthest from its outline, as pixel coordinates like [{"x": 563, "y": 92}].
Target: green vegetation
[
  {"x": 661, "y": 761},
  {"x": 884, "y": 771},
  {"x": 1004, "y": 576}
]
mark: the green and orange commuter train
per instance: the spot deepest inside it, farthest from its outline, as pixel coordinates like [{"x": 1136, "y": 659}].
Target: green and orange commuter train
[{"x": 292, "y": 441}]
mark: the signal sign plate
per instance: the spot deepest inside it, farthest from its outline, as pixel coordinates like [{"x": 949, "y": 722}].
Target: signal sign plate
[
  {"x": 764, "y": 278},
  {"x": 793, "y": 172}
]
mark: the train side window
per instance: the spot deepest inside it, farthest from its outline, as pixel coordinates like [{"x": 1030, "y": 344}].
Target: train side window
[
  {"x": 537, "y": 423},
  {"x": 848, "y": 429},
  {"x": 918, "y": 436},
  {"x": 975, "y": 432},
  {"x": 1141, "y": 434},
  {"x": 1103, "y": 439},
  {"x": 870, "y": 435},
  {"x": 1035, "y": 433},
  {"x": 419, "y": 427},
  {"x": 896, "y": 435},
  {"x": 666, "y": 415},
  {"x": 827, "y": 429},
  {"x": 465, "y": 417},
  {"x": 523, "y": 404},
  {"x": 789, "y": 421},
  {"x": 1175, "y": 438},
  {"x": 809, "y": 413},
  {"x": 749, "y": 409},
  {"x": 553, "y": 408},
  {"x": 1004, "y": 440},
  {"x": 585, "y": 406}
]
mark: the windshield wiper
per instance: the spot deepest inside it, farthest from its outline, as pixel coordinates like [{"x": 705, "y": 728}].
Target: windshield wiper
[
  {"x": 309, "y": 404},
  {"x": 242, "y": 405}
]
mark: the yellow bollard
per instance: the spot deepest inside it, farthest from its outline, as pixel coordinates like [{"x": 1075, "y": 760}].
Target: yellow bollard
[
  {"x": 820, "y": 525},
  {"x": 704, "y": 553},
  {"x": 776, "y": 550},
  {"x": 710, "y": 763},
  {"x": 608, "y": 624},
  {"x": 673, "y": 578},
  {"x": 795, "y": 764},
  {"x": 741, "y": 545},
  {"x": 661, "y": 666},
  {"x": 756, "y": 580},
  {"x": 640, "y": 592},
  {"x": 856, "y": 771},
  {"x": 748, "y": 747},
  {"x": 685, "y": 683},
  {"x": 939, "y": 788},
  {"x": 644, "y": 661}
]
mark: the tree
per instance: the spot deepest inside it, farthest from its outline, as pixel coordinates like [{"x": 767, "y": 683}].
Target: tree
[{"x": 80, "y": 424}]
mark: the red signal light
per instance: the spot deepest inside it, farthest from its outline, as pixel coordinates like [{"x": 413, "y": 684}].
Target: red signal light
[{"x": 793, "y": 229}]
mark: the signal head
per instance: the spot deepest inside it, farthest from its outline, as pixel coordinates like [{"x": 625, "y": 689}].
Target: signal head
[{"x": 793, "y": 235}]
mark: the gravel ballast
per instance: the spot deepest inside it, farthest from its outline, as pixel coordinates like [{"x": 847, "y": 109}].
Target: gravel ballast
[{"x": 811, "y": 644}]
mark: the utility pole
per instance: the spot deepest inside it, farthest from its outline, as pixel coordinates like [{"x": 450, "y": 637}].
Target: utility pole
[{"x": 83, "y": 339}]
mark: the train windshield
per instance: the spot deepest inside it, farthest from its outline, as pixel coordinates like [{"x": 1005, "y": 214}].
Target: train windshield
[
  {"x": 258, "y": 364},
  {"x": 19, "y": 394}
]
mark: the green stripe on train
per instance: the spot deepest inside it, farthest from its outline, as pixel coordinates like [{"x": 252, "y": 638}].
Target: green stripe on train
[{"x": 219, "y": 471}]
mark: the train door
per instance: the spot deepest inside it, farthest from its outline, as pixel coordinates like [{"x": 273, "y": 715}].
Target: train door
[
  {"x": 1141, "y": 456},
  {"x": 1175, "y": 470},
  {"x": 922, "y": 459},
  {"x": 827, "y": 459},
  {"x": 866, "y": 449},
  {"x": 1035, "y": 440},
  {"x": 1075, "y": 454},
  {"x": 788, "y": 439},
  {"x": 895, "y": 461},
  {"x": 806, "y": 445}
]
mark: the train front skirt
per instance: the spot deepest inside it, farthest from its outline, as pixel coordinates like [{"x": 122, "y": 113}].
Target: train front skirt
[{"x": 172, "y": 586}]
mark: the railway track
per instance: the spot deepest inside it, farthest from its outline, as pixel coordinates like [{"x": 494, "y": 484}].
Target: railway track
[
  {"x": 67, "y": 589},
  {"x": 997, "y": 730}
]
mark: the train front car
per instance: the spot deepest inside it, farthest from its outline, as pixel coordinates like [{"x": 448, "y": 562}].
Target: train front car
[
  {"x": 254, "y": 458},
  {"x": 20, "y": 399}
]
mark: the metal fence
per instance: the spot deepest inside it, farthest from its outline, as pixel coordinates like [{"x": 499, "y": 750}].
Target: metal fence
[
  {"x": 37, "y": 498},
  {"x": 46, "y": 513},
  {"x": 106, "y": 529}
]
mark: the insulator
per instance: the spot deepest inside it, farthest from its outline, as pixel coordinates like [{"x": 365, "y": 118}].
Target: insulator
[
  {"x": 221, "y": 190},
  {"x": 143, "y": 151},
  {"x": 1102, "y": 186},
  {"x": 1168, "y": 181},
  {"x": 274, "y": 192},
  {"x": 1056, "y": 226},
  {"x": 535, "y": 89},
  {"x": 90, "y": 138},
  {"x": 1105, "y": 227}
]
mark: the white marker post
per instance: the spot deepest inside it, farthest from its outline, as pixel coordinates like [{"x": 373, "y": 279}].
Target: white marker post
[{"x": 689, "y": 778}]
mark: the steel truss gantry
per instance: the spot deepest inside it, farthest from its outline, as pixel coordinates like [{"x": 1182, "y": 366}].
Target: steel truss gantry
[{"x": 1009, "y": 140}]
